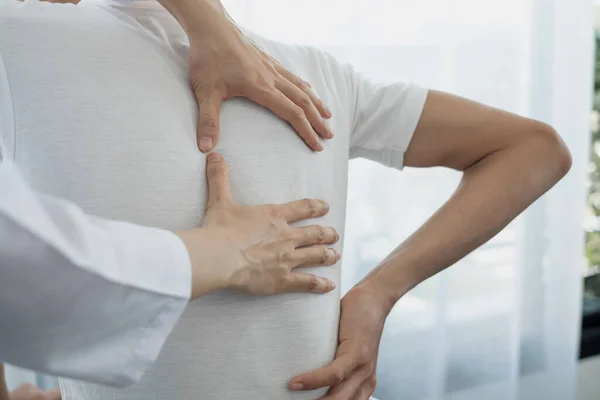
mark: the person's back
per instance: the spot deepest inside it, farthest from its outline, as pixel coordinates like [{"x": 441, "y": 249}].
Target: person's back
[{"x": 104, "y": 116}]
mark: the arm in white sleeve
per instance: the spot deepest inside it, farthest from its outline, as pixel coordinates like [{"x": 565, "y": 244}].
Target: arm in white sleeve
[{"x": 80, "y": 296}]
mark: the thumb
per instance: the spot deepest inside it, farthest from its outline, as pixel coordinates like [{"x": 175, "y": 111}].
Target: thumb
[
  {"x": 209, "y": 109},
  {"x": 218, "y": 180}
]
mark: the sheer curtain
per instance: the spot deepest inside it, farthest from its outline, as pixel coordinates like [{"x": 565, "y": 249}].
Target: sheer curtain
[{"x": 503, "y": 323}]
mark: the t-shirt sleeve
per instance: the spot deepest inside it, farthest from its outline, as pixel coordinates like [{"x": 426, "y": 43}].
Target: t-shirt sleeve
[{"x": 384, "y": 120}]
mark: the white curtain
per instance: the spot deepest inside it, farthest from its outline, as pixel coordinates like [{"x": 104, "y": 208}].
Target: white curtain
[{"x": 504, "y": 322}]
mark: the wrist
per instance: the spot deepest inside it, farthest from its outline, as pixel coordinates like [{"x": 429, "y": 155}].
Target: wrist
[
  {"x": 196, "y": 17},
  {"x": 382, "y": 300},
  {"x": 387, "y": 285},
  {"x": 201, "y": 247}
]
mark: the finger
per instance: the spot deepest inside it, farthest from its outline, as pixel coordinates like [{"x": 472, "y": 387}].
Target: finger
[
  {"x": 346, "y": 390},
  {"x": 303, "y": 209},
  {"x": 298, "y": 282},
  {"x": 209, "y": 109},
  {"x": 285, "y": 108},
  {"x": 331, "y": 375},
  {"x": 306, "y": 88},
  {"x": 315, "y": 234},
  {"x": 53, "y": 394},
  {"x": 315, "y": 256},
  {"x": 304, "y": 101},
  {"x": 218, "y": 180}
]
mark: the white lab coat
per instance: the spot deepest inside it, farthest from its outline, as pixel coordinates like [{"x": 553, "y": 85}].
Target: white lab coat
[{"x": 82, "y": 296}]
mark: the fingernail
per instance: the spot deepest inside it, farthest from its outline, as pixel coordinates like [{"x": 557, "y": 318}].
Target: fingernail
[
  {"x": 325, "y": 206},
  {"x": 328, "y": 112},
  {"x": 296, "y": 386},
  {"x": 337, "y": 237},
  {"x": 213, "y": 157},
  {"x": 330, "y": 132},
  {"x": 327, "y": 287},
  {"x": 338, "y": 255},
  {"x": 320, "y": 146},
  {"x": 307, "y": 83},
  {"x": 205, "y": 143}
]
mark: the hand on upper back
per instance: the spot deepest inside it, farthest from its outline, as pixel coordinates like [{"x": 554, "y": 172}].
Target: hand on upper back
[
  {"x": 224, "y": 63},
  {"x": 253, "y": 249},
  {"x": 31, "y": 392}
]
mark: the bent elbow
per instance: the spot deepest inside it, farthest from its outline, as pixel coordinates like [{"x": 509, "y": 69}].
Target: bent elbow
[{"x": 557, "y": 156}]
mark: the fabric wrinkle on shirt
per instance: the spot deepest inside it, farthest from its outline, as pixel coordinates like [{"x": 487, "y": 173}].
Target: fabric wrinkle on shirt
[{"x": 128, "y": 152}]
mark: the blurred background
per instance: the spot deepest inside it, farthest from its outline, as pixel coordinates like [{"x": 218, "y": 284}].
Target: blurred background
[
  {"x": 512, "y": 320},
  {"x": 505, "y": 322}
]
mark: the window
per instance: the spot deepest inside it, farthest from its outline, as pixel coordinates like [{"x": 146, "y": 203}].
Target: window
[{"x": 590, "y": 333}]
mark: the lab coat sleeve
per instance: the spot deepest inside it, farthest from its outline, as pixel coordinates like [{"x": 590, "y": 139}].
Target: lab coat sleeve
[{"x": 80, "y": 296}]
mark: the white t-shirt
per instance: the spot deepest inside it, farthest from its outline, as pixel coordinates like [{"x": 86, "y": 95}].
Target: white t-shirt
[{"x": 105, "y": 118}]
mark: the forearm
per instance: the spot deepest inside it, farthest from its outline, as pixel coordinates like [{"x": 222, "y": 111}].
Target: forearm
[
  {"x": 189, "y": 12},
  {"x": 492, "y": 192}
]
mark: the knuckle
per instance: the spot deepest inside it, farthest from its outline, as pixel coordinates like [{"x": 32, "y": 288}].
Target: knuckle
[
  {"x": 262, "y": 82},
  {"x": 313, "y": 282},
  {"x": 338, "y": 377},
  {"x": 302, "y": 85},
  {"x": 272, "y": 68},
  {"x": 285, "y": 257},
  {"x": 324, "y": 257},
  {"x": 281, "y": 278},
  {"x": 311, "y": 206},
  {"x": 321, "y": 235},
  {"x": 304, "y": 101},
  {"x": 296, "y": 113},
  {"x": 364, "y": 354},
  {"x": 208, "y": 122},
  {"x": 275, "y": 213},
  {"x": 371, "y": 382}
]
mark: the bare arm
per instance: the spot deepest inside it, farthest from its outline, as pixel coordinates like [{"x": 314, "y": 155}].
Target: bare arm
[{"x": 507, "y": 163}]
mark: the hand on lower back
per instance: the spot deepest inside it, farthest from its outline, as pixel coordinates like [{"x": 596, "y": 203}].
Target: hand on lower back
[
  {"x": 351, "y": 375},
  {"x": 253, "y": 249}
]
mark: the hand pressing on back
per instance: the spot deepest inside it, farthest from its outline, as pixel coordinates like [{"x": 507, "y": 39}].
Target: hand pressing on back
[
  {"x": 253, "y": 249},
  {"x": 224, "y": 63}
]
